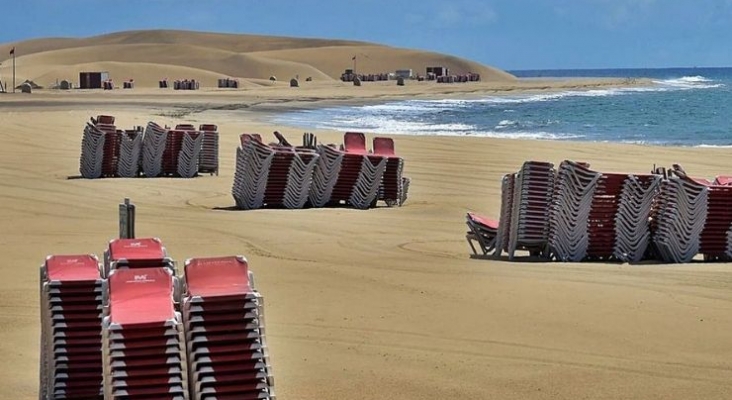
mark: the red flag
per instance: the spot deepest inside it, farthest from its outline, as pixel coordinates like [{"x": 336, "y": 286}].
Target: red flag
[{"x": 12, "y": 51}]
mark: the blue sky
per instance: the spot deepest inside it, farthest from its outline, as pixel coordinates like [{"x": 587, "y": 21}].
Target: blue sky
[{"x": 509, "y": 34}]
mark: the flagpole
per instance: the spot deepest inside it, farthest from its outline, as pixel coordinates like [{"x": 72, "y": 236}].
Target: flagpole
[{"x": 13, "y": 69}]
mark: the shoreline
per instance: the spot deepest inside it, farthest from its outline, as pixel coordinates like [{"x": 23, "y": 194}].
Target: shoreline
[{"x": 279, "y": 97}]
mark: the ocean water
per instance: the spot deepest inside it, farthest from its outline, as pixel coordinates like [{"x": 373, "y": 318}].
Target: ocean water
[{"x": 684, "y": 107}]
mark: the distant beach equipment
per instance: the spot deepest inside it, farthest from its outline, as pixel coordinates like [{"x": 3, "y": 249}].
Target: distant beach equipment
[
  {"x": 186, "y": 84},
  {"x": 400, "y": 81},
  {"x": 65, "y": 85},
  {"x": 228, "y": 83},
  {"x": 309, "y": 79},
  {"x": 32, "y": 84},
  {"x": 273, "y": 78},
  {"x": 356, "y": 81},
  {"x": 294, "y": 83},
  {"x": 26, "y": 87}
]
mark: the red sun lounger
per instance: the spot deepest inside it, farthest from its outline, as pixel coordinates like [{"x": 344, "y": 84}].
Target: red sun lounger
[{"x": 224, "y": 319}]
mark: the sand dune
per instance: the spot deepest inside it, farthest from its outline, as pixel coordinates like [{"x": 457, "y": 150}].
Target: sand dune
[
  {"x": 223, "y": 55},
  {"x": 224, "y": 41},
  {"x": 173, "y": 61}
]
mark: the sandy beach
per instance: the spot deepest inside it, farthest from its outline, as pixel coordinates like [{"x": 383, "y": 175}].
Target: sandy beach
[
  {"x": 383, "y": 303},
  {"x": 376, "y": 304}
]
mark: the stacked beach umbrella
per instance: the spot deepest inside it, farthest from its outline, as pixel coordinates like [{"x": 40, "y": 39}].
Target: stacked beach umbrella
[
  {"x": 127, "y": 329},
  {"x": 154, "y": 151}
]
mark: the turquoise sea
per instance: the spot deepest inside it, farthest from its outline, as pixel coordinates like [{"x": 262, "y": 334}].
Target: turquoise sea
[{"x": 684, "y": 107}]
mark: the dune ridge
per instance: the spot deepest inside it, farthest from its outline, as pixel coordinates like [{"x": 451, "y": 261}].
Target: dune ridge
[{"x": 207, "y": 56}]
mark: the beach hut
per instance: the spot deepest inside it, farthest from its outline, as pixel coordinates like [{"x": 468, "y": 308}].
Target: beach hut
[{"x": 92, "y": 80}]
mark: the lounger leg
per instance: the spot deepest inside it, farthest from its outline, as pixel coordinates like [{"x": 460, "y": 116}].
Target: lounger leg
[{"x": 469, "y": 238}]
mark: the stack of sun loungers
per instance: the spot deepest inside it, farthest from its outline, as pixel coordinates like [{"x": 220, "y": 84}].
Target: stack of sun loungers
[
  {"x": 208, "y": 161},
  {"x": 111, "y": 144},
  {"x": 130, "y": 153},
  {"x": 592, "y": 215},
  {"x": 171, "y": 154},
  {"x": 351, "y": 176},
  {"x": 189, "y": 154},
  {"x": 71, "y": 317},
  {"x": 253, "y": 159},
  {"x": 272, "y": 175},
  {"x": 99, "y": 148},
  {"x": 280, "y": 175},
  {"x": 325, "y": 175},
  {"x": 611, "y": 210},
  {"x": 143, "y": 342},
  {"x": 155, "y": 151},
  {"x": 131, "y": 329},
  {"x": 632, "y": 227},
  {"x": 680, "y": 215},
  {"x": 92, "y": 152},
  {"x": 153, "y": 147},
  {"x": 224, "y": 322},
  {"x": 532, "y": 194},
  {"x": 570, "y": 212},
  {"x": 360, "y": 175},
  {"x": 392, "y": 188},
  {"x": 525, "y": 200},
  {"x": 504, "y": 220}
]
